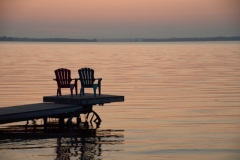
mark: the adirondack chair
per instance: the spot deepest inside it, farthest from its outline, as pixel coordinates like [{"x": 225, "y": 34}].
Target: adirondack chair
[
  {"x": 86, "y": 76},
  {"x": 63, "y": 78}
]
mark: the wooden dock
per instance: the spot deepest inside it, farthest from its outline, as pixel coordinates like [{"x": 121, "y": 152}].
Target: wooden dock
[
  {"x": 63, "y": 106},
  {"x": 87, "y": 99}
]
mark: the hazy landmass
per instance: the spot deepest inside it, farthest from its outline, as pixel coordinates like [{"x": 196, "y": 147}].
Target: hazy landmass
[
  {"x": 235, "y": 38},
  {"x": 4, "y": 38}
]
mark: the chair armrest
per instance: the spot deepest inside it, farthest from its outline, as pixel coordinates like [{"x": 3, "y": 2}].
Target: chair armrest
[
  {"x": 71, "y": 79},
  {"x": 99, "y": 81}
]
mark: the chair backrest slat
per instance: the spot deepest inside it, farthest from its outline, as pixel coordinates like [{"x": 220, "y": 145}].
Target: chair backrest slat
[
  {"x": 86, "y": 76},
  {"x": 63, "y": 77}
]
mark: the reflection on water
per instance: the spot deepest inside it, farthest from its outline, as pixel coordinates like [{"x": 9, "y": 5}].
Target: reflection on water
[
  {"x": 182, "y": 100},
  {"x": 83, "y": 141}
]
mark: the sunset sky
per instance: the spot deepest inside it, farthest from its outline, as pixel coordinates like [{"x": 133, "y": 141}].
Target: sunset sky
[{"x": 119, "y": 18}]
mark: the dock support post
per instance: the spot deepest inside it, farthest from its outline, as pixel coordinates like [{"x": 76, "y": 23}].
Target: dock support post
[
  {"x": 78, "y": 120},
  {"x": 45, "y": 120},
  {"x": 61, "y": 122},
  {"x": 45, "y": 123}
]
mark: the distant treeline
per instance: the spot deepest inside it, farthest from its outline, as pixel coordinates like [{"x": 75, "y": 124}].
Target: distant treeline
[
  {"x": 236, "y": 38},
  {"x": 4, "y": 38}
]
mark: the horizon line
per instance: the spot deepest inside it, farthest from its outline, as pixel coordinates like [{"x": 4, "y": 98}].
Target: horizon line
[
  {"x": 173, "y": 39},
  {"x": 120, "y": 38}
]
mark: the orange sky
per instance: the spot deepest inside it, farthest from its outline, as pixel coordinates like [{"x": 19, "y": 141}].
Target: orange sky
[{"x": 119, "y": 19}]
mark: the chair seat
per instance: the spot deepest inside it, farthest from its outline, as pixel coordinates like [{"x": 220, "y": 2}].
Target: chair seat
[
  {"x": 94, "y": 86},
  {"x": 72, "y": 86}
]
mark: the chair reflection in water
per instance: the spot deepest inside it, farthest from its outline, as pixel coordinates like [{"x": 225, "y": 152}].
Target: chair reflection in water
[
  {"x": 86, "y": 76},
  {"x": 88, "y": 143}
]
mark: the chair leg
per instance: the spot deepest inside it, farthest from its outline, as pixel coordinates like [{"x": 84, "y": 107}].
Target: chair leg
[
  {"x": 80, "y": 91},
  {"x": 59, "y": 92},
  {"x": 76, "y": 90},
  {"x": 94, "y": 89},
  {"x": 71, "y": 89},
  {"x": 94, "y": 92},
  {"x": 75, "y": 86},
  {"x": 83, "y": 90},
  {"x": 99, "y": 89}
]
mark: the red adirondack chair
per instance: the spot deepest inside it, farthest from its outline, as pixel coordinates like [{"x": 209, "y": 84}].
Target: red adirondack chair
[{"x": 63, "y": 78}]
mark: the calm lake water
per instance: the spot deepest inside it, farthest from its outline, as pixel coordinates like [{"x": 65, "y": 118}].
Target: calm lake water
[{"x": 182, "y": 100}]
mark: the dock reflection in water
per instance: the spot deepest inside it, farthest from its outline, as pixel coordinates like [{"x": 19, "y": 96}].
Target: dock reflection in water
[{"x": 82, "y": 140}]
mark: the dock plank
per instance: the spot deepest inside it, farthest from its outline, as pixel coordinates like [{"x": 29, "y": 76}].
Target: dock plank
[
  {"x": 34, "y": 111},
  {"x": 30, "y": 108},
  {"x": 87, "y": 99}
]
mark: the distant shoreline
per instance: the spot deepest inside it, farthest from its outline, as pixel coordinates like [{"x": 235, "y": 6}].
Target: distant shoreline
[
  {"x": 234, "y": 38},
  {"x": 4, "y": 38}
]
